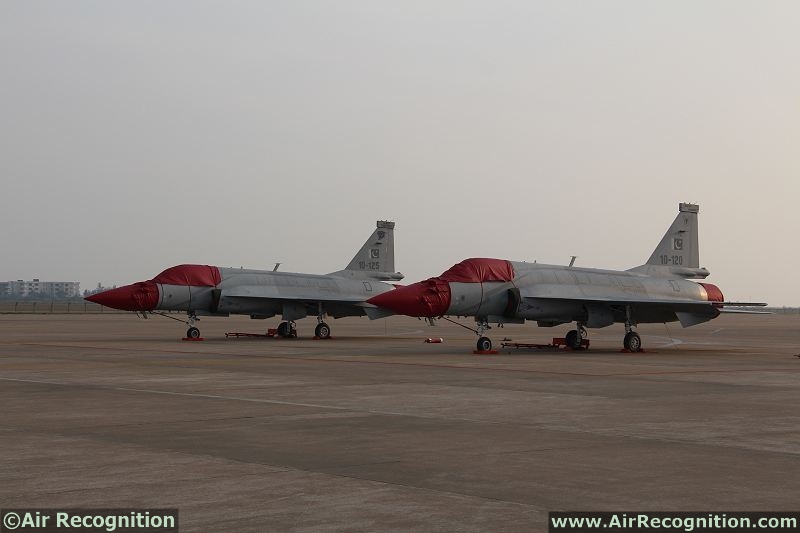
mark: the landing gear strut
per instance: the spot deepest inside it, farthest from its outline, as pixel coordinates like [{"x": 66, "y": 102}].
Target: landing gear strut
[
  {"x": 484, "y": 343},
  {"x": 323, "y": 330},
  {"x": 632, "y": 341},
  {"x": 287, "y": 329}
]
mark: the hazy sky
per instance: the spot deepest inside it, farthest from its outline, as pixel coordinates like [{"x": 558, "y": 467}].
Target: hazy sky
[{"x": 139, "y": 135}]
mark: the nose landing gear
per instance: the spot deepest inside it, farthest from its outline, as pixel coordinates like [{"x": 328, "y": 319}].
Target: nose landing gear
[
  {"x": 484, "y": 343},
  {"x": 193, "y": 333}
]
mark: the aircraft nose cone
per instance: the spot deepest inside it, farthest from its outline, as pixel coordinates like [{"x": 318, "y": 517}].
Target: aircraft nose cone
[
  {"x": 429, "y": 298},
  {"x": 142, "y": 296}
]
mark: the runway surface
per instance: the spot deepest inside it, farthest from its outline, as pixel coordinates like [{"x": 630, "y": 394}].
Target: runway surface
[{"x": 375, "y": 430}]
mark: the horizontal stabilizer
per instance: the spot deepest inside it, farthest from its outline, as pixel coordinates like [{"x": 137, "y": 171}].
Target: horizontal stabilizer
[{"x": 745, "y": 311}]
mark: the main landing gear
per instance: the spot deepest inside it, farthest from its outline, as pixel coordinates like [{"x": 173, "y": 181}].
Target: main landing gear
[
  {"x": 287, "y": 329},
  {"x": 574, "y": 338},
  {"x": 632, "y": 341},
  {"x": 322, "y": 331}
]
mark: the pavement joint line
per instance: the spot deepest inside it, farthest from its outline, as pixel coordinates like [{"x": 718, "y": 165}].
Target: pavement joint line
[
  {"x": 293, "y": 357},
  {"x": 234, "y": 398}
]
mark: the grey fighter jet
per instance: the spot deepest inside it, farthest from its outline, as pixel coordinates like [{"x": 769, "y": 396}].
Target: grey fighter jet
[
  {"x": 500, "y": 291},
  {"x": 210, "y": 290}
]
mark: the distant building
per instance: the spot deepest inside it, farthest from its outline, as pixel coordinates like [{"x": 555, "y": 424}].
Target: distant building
[
  {"x": 98, "y": 290},
  {"x": 42, "y": 289}
]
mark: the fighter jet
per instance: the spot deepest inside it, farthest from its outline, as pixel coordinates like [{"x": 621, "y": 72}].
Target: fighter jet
[
  {"x": 209, "y": 290},
  {"x": 496, "y": 290}
]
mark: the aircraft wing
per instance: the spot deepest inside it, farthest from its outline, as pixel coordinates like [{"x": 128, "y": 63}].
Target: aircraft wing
[
  {"x": 689, "y": 312},
  {"x": 311, "y": 294},
  {"x": 557, "y": 292},
  {"x": 269, "y": 300},
  {"x": 574, "y": 293}
]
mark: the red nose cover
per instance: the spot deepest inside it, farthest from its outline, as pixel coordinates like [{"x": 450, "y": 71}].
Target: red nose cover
[
  {"x": 194, "y": 275},
  {"x": 142, "y": 296},
  {"x": 478, "y": 270},
  {"x": 426, "y": 298},
  {"x": 713, "y": 292}
]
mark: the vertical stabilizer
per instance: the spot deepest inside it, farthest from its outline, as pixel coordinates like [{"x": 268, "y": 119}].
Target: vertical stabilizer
[
  {"x": 678, "y": 253},
  {"x": 375, "y": 259}
]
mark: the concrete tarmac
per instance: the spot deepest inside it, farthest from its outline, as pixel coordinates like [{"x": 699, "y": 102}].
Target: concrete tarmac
[{"x": 375, "y": 430}]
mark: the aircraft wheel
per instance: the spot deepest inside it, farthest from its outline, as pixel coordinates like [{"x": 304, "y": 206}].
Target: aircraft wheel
[
  {"x": 632, "y": 342},
  {"x": 484, "y": 344},
  {"x": 323, "y": 330},
  {"x": 193, "y": 333},
  {"x": 573, "y": 340},
  {"x": 284, "y": 330}
]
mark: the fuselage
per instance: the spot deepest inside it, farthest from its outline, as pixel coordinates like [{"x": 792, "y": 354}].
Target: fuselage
[
  {"x": 205, "y": 289},
  {"x": 508, "y": 291}
]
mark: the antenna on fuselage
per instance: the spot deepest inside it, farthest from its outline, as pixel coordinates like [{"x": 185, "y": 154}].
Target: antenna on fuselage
[
  {"x": 275, "y": 269},
  {"x": 572, "y": 261}
]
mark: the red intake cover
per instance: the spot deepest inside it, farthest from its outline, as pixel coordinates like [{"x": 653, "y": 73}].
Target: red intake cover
[
  {"x": 478, "y": 270},
  {"x": 194, "y": 275}
]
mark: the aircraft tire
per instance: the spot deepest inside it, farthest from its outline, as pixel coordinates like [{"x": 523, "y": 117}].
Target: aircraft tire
[
  {"x": 573, "y": 340},
  {"x": 283, "y": 329},
  {"x": 484, "y": 344},
  {"x": 632, "y": 342},
  {"x": 192, "y": 333},
  {"x": 323, "y": 330}
]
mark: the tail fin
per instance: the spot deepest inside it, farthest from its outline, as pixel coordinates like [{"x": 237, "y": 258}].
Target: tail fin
[
  {"x": 678, "y": 253},
  {"x": 375, "y": 260}
]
